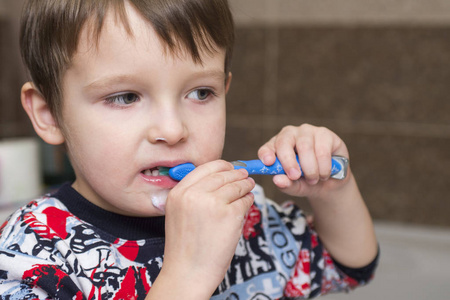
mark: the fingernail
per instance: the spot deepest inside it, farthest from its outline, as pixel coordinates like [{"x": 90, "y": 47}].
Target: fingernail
[
  {"x": 281, "y": 181},
  {"x": 294, "y": 173},
  {"x": 266, "y": 160},
  {"x": 243, "y": 171},
  {"x": 313, "y": 181}
]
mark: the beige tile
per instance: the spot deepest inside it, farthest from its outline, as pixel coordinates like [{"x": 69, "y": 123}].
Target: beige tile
[
  {"x": 414, "y": 264},
  {"x": 289, "y": 12},
  {"x": 248, "y": 12}
]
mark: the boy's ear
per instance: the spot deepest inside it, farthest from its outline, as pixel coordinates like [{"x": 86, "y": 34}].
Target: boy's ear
[
  {"x": 228, "y": 82},
  {"x": 40, "y": 115}
]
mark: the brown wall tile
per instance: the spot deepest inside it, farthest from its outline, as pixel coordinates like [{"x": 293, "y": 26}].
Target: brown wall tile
[
  {"x": 13, "y": 120},
  {"x": 248, "y": 71},
  {"x": 403, "y": 178},
  {"x": 383, "y": 74},
  {"x": 384, "y": 90}
]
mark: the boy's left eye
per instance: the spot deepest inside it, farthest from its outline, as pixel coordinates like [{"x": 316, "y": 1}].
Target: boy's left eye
[
  {"x": 200, "y": 94},
  {"x": 123, "y": 99}
]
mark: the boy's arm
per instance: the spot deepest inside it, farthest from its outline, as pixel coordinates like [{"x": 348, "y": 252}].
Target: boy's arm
[
  {"x": 344, "y": 225},
  {"x": 204, "y": 217},
  {"x": 341, "y": 217}
]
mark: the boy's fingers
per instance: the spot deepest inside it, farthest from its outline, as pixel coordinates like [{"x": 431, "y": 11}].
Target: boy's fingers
[
  {"x": 237, "y": 189},
  {"x": 244, "y": 203},
  {"x": 323, "y": 150},
  {"x": 287, "y": 156},
  {"x": 328, "y": 144},
  {"x": 324, "y": 164},
  {"x": 267, "y": 152},
  {"x": 282, "y": 181},
  {"x": 218, "y": 180},
  {"x": 287, "y": 186},
  {"x": 308, "y": 160},
  {"x": 206, "y": 170}
]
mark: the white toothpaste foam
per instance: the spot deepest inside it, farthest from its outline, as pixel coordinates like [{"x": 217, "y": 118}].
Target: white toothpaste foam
[{"x": 159, "y": 199}]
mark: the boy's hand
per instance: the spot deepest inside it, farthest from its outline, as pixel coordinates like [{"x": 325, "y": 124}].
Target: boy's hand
[
  {"x": 341, "y": 217},
  {"x": 314, "y": 146},
  {"x": 204, "y": 218}
]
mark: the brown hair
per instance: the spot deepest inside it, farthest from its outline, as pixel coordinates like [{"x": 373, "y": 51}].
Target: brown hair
[{"x": 50, "y": 31}]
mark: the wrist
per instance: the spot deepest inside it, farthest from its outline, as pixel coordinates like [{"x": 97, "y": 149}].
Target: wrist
[
  {"x": 180, "y": 285},
  {"x": 334, "y": 190}
]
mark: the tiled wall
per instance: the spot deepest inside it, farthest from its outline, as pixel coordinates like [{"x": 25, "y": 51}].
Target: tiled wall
[
  {"x": 382, "y": 86},
  {"x": 13, "y": 120}
]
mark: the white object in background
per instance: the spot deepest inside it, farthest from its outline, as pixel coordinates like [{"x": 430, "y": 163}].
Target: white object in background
[{"x": 20, "y": 173}]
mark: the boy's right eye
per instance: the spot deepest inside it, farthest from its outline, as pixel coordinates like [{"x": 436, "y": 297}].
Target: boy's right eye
[{"x": 122, "y": 99}]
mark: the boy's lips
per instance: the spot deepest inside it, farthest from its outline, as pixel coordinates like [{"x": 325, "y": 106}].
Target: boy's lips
[
  {"x": 164, "y": 182},
  {"x": 151, "y": 174}
]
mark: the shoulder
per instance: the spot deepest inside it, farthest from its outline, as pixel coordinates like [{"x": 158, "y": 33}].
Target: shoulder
[{"x": 34, "y": 217}]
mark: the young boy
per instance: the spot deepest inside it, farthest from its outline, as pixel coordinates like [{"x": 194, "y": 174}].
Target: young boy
[{"x": 131, "y": 86}]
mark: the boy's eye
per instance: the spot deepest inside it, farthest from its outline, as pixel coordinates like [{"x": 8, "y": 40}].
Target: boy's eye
[
  {"x": 123, "y": 99},
  {"x": 200, "y": 94}
]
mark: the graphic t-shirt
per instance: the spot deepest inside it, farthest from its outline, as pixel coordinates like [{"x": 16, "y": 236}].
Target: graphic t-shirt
[{"x": 61, "y": 246}]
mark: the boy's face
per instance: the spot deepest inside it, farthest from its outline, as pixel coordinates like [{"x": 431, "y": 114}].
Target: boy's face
[{"x": 121, "y": 98}]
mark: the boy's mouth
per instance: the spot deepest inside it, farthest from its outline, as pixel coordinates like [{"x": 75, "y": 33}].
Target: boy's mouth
[
  {"x": 156, "y": 176},
  {"x": 154, "y": 171}
]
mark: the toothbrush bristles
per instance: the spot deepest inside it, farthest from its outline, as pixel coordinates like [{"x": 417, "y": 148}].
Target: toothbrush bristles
[{"x": 164, "y": 171}]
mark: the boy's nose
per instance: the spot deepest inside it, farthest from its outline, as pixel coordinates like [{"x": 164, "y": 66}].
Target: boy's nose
[{"x": 169, "y": 128}]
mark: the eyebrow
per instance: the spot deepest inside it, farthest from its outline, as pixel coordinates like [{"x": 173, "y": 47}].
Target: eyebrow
[
  {"x": 109, "y": 81},
  {"x": 215, "y": 74}
]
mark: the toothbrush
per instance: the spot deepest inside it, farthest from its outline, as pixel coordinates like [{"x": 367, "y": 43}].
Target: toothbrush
[{"x": 339, "y": 165}]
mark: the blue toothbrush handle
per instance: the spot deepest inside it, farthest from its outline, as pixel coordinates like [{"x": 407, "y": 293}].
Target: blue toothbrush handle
[
  {"x": 339, "y": 167},
  {"x": 256, "y": 167}
]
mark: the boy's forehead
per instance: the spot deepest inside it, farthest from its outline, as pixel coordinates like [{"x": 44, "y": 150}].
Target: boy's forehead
[
  {"x": 117, "y": 30},
  {"x": 120, "y": 55},
  {"x": 112, "y": 28}
]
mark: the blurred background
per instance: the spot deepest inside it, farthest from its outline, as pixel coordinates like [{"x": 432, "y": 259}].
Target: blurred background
[{"x": 376, "y": 72}]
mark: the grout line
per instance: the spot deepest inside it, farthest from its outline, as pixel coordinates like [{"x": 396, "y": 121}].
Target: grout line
[
  {"x": 271, "y": 70},
  {"x": 271, "y": 52},
  {"x": 391, "y": 128},
  {"x": 431, "y": 23}
]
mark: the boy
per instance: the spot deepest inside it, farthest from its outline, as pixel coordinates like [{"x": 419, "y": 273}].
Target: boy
[{"x": 131, "y": 86}]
